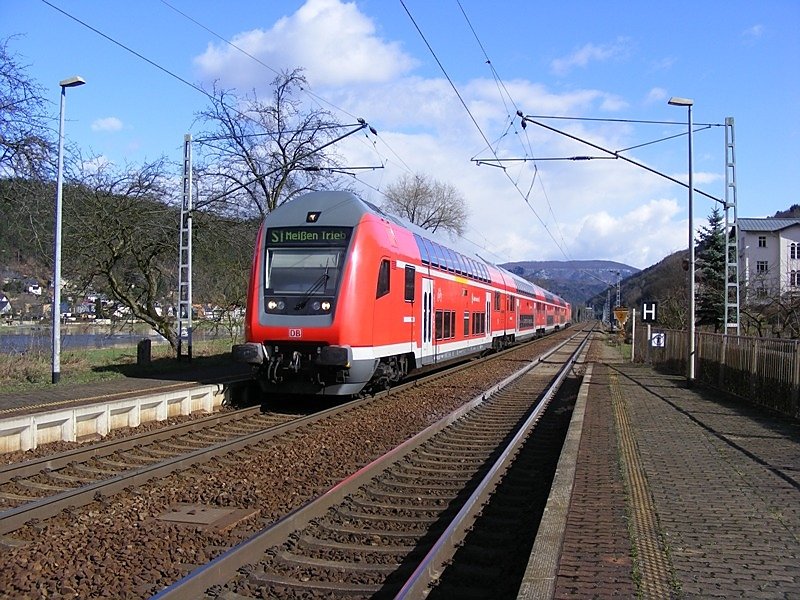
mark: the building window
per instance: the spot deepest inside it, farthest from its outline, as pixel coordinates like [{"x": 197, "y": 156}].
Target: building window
[
  {"x": 762, "y": 241},
  {"x": 794, "y": 279},
  {"x": 762, "y": 266},
  {"x": 794, "y": 250}
]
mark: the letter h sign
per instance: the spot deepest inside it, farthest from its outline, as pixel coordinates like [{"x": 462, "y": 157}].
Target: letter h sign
[{"x": 649, "y": 311}]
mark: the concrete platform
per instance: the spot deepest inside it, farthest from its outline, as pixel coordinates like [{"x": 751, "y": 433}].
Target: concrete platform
[
  {"x": 74, "y": 412},
  {"x": 669, "y": 492}
]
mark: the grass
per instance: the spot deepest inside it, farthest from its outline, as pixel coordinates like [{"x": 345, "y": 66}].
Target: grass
[{"x": 31, "y": 370}]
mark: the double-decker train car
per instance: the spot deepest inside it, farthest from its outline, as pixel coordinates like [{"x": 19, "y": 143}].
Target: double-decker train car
[{"x": 345, "y": 299}]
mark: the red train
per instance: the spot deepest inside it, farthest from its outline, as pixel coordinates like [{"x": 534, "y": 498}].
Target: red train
[{"x": 345, "y": 299}]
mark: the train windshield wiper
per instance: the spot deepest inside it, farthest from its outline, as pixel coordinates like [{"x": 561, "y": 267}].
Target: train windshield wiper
[{"x": 321, "y": 281}]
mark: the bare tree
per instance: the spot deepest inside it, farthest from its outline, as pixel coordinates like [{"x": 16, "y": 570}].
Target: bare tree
[
  {"x": 257, "y": 155},
  {"x": 120, "y": 237},
  {"x": 223, "y": 252},
  {"x": 25, "y": 138},
  {"x": 431, "y": 204}
]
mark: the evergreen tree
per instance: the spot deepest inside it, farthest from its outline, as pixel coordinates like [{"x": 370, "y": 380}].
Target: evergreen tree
[{"x": 710, "y": 250}]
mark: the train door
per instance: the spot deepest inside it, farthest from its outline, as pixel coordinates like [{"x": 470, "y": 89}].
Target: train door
[
  {"x": 489, "y": 314},
  {"x": 426, "y": 331}
]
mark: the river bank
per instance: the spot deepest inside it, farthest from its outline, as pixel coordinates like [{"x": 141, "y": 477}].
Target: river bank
[{"x": 25, "y": 337}]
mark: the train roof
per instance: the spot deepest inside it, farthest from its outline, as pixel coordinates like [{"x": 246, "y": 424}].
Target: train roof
[{"x": 338, "y": 208}]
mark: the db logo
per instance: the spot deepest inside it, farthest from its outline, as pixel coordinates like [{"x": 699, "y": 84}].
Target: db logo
[{"x": 295, "y": 333}]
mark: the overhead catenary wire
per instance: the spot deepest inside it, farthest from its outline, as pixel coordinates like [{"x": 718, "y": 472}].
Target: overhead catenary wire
[
  {"x": 478, "y": 127},
  {"x": 621, "y": 157},
  {"x": 178, "y": 77},
  {"x": 528, "y": 150}
]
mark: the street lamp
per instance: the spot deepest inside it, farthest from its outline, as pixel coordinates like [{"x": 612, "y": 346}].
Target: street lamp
[
  {"x": 675, "y": 101},
  {"x": 56, "y": 371}
]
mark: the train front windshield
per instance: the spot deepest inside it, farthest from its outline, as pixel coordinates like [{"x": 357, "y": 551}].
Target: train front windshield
[{"x": 311, "y": 272}]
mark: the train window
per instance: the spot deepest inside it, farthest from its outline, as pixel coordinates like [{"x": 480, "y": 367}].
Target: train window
[
  {"x": 383, "y": 279},
  {"x": 497, "y": 301},
  {"x": 303, "y": 271},
  {"x": 431, "y": 255},
  {"x": 408, "y": 289},
  {"x": 445, "y": 327},
  {"x": 451, "y": 260},
  {"x": 466, "y": 323},
  {"x": 423, "y": 249},
  {"x": 478, "y": 323},
  {"x": 436, "y": 256}
]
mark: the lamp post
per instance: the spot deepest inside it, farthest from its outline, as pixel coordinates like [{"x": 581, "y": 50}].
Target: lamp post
[
  {"x": 675, "y": 101},
  {"x": 56, "y": 371}
]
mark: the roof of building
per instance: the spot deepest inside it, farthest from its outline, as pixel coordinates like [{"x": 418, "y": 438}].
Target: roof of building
[{"x": 766, "y": 224}]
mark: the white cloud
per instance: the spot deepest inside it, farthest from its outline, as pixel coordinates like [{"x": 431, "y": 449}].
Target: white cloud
[
  {"x": 656, "y": 95},
  {"x": 310, "y": 38},
  {"x": 589, "y": 209},
  {"x": 109, "y": 124},
  {"x": 751, "y": 34},
  {"x": 96, "y": 164},
  {"x": 589, "y": 53}
]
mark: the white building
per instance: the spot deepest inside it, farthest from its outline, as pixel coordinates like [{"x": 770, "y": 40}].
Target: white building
[{"x": 769, "y": 256}]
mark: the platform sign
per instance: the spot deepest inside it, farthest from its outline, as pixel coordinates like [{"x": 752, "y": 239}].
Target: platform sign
[
  {"x": 649, "y": 312},
  {"x": 658, "y": 339}
]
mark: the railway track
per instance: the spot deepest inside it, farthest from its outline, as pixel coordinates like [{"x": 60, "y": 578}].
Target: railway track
[
  {"x": 41, "y": 488},
  {"x": 159, "y": 524},
  {"x": 389, "y": 529}
]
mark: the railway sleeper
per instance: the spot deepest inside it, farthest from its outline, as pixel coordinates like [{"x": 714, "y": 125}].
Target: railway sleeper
[
  {"x": 78, "y": 481},
  {"x": 276, "y": 580},
  {"x": 94, "y": 472},
  {"x": 410, "y": 494},
  {"x": 417, "y": 485},
  {"x": 383, "y": 536},
  {"x": 384, "y": 510},
  {"x": 44, "y": 487},
  {"x": 316, "y": 543},
  {"x": 16, "y": 498},
  {"x": 452, "y": 463},
  {"x": 422, "y": 520},
  {"x": 422, "y": 474},
  {"x": 438, "y": 453},
  {"x": 459, "y": 446},
  {"x": 290, "y": 558}
]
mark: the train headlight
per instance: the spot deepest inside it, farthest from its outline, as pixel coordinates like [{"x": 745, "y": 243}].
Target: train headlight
[
  {"x": 315, "y": 306},
  {"x": 272, "y": 305},
  {"x": 326, "y": 306}
]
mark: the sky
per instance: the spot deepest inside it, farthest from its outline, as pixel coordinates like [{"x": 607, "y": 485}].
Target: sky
[{"x": 442, "y": 81}]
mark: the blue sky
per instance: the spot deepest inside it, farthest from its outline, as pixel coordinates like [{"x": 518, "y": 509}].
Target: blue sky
[{"x": 614, "y": 60}]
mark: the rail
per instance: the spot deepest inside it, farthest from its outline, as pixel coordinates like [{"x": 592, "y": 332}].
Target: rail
[{"x": 250, "y": 551}]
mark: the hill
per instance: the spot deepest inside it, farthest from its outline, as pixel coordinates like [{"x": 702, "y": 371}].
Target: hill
[
  {"x": 576, "y": 280},
  {"x": 663, "y": 282}
]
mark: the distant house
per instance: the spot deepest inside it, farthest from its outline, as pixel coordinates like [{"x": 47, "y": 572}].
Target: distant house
[
  {"x": 5, "y": 305},
  {"x": 33, "y": 287},
  {"x": 769, "y": 257}
]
